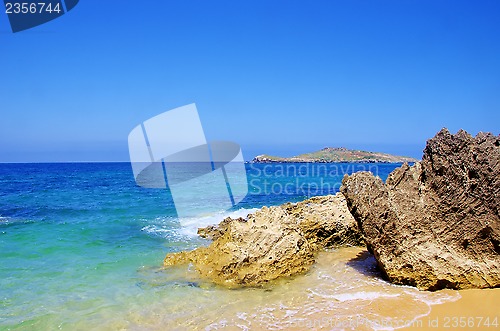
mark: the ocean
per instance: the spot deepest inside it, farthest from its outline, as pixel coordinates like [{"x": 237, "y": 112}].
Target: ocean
[{"x": 82, "y": 246}]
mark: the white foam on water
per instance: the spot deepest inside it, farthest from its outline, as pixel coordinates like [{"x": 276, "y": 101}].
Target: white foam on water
[
  {"x": 242, "y": 316},
  {"x": 216, "y": 325},
  {"x": 186, "y": 229},
  {"x": 342, "y": 297},
  {"x": 158, "y": 230},
  {"x": 433, "y": 298},
  {"x": 242, "y": 327},
  {"x": 190, "y": 225},
  {"x": 164, "y": 227}
]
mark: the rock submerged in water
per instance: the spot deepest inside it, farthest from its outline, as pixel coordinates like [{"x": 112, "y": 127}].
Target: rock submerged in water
[
  {"x": 273, "y": 242},
  {"x": 435, "y": 224}
]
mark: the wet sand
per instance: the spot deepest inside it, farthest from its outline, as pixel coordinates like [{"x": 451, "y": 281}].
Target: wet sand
[{"x": 475, "y": 310}]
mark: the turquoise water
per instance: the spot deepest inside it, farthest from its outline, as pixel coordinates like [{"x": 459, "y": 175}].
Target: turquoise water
[{"x": 81, "y": 245}]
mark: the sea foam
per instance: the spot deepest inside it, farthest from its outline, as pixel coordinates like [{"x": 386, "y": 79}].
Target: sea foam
[{"x": 187, "y": 228}]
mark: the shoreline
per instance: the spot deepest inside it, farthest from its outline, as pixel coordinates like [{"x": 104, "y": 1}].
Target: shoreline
[{"x": 343, "y": 290}]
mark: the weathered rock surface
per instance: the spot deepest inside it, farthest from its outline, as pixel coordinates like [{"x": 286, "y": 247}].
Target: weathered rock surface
[
  {"x": 436, "y": 224},
  {"x": 325, "y": 221},
  {"x": 272, "y": 242},
  {"x": 216, "y": 231}
]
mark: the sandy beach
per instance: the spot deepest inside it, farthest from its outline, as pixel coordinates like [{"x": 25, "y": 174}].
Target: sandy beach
[{"x": 476, "y": 309}]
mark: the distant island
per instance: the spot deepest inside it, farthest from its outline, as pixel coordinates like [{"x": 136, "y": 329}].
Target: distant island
[{"x": 335, "y": 155}]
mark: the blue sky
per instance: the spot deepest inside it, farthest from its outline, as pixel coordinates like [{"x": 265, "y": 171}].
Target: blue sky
[{"x": 278, "y": 77}]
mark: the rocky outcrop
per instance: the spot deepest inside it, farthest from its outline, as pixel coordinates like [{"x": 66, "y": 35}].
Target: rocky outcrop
[
  {"x": 272, "y": 242},
  {"x": 435, "y": 224}
]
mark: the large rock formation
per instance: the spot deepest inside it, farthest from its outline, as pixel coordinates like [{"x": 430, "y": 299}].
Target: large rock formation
[
  {"x": 436, "y": 224},
  {"x": 273, "y": 242}
]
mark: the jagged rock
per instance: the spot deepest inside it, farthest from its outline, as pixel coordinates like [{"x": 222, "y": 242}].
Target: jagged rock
[
  {"x": 436, "y": 224},
  {"x": 272, "y": 242},
  {"x": 267, "y": 245},
  {"x": 216, "y": 231}
]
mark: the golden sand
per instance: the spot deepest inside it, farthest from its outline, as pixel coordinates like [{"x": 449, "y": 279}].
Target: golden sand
[{"x": 475, "y": 310}]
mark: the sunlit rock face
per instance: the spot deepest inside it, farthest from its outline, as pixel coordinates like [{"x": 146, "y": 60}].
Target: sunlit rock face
[
  {"x": 271, "y": 243},
  {"x": 435, "y": 224}
]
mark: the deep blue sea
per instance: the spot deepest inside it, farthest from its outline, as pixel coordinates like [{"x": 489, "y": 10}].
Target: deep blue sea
[{"x": 81, "y": 245}]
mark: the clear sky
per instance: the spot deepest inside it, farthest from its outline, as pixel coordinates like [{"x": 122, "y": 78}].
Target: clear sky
[{"x": 279, "y": 77}]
